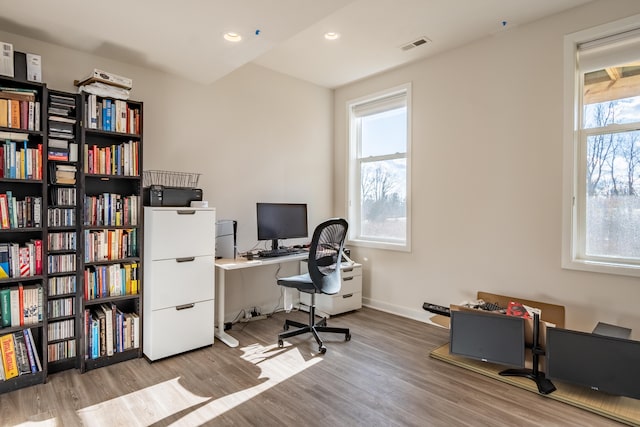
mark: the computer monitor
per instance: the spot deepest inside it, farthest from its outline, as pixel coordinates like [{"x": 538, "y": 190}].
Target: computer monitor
[
  {"x": 603, "y": 363},
  {"x": 277, "y": 221},
  {"x": 494, "y": 338}
]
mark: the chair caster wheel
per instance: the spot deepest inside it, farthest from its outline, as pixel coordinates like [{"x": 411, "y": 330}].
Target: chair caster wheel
[
  {"x": 322, "y": 349},
  {"x": 280, "y": 344},
  {"x": 347, "y": 337}
]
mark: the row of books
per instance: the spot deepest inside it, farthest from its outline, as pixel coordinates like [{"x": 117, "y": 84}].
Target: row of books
[
  {"x": 61, "y": 330},
  {"x": 59, "y": 308},
  {"x": 103, "y": 281},
  {"x": 112, "y": 115},
  {"x": 102, "y": 245},
  {"x": 19, "y": 113},
  {"x": 61, "y": 263},
  {"x": 21, "y": 261},
  {"x": 112, "y": 160},
  {"x": 61, "y": 217},
  {"x": 61, "y": 350},
  {"x": 65, "y": 241},
  {"x": 108, "y": 330},
  {"x": 19, "y": 355},
  {"x": 20, "y": 163},
  {"x": 112, "y": 210},
  {"x": 16, "y": 213},
  {"x": 21, "y": 305},
  {"x": 61, "y": 285},
  {"x": 65, "y": 196}
]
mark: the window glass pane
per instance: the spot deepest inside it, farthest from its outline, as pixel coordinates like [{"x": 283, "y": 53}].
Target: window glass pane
[
  {"x": 384, "y": 133},
  {"x": 383, "y": 199},
  {"x": 621, "y": 111},
  {"x": 613, "y": 195}
]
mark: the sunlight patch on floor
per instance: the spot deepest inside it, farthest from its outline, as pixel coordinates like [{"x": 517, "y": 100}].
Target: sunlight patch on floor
[
  {"x": 276, "y": 365},
  {"x": 143, "y": 407}
]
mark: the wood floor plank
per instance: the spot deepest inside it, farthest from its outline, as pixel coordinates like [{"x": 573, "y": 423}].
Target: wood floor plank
[{"x": 382, "y": 377}]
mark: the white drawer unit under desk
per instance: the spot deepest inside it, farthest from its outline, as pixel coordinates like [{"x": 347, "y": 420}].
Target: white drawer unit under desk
[
  {"x": 349, "y": 298},
  {"x": 179, "y": 252}
]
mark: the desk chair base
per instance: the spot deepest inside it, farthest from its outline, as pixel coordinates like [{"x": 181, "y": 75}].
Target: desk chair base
[{"x": 314, "y": 328}]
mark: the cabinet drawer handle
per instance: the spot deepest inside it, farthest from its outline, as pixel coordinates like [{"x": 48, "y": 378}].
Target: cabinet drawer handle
[
  {"x": 190, "y": 212},
  {"x": 347, "y": 296},
  {"x": 185, "y": 307},
  {"x": 345, "y": 279},
  {"x": 188, "y": 259},
  {"x": 347, "y": 270}
]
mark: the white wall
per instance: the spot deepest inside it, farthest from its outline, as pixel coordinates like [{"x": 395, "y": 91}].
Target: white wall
[
  {"x": 487, "y": 178},
  {"x": 255, "y": 135}
]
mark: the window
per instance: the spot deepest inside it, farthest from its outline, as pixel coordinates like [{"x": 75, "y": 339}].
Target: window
[
  {"x": 602, "y": 149},
  {"x": 379, "y": 160}
]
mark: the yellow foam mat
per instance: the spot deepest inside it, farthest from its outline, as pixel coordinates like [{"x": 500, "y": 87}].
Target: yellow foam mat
[{"x": 622, "y": 409}]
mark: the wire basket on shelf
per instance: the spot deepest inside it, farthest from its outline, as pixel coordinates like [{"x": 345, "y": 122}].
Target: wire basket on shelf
[{"x": 170, "y": 179}]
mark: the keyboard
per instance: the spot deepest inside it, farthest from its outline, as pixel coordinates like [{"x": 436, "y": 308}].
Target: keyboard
[
  {"x": 279, "y": 252},
  {"x": 489, "y": 306}
]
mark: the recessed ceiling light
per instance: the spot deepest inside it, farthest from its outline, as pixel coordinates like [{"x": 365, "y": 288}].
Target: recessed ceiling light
[
  {"x": 232, "y": 37},
  {"x": 331, "y": 36}
]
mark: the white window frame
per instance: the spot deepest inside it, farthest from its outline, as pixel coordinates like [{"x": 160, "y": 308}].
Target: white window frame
[
  {"x": 574, "y": 178},
  {"x": 354, "y": 179}
]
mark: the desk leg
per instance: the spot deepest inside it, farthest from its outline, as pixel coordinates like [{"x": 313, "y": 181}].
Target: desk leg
[{"x": 219, "y": 330}]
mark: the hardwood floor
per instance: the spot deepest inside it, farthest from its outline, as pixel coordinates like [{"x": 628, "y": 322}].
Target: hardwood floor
[{"x": 382, "y": 377}]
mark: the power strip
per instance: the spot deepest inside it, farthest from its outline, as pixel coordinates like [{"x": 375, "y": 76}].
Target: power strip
[{"x": 251, "y": 319}]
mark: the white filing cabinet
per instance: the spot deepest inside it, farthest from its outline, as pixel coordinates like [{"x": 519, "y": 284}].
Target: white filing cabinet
[
  {"x": 349, "y": 298},
  {"x": 179, "y": 278}
]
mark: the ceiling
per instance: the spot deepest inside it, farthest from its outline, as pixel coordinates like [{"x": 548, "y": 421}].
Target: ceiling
[{"x": 185, "y": 37}]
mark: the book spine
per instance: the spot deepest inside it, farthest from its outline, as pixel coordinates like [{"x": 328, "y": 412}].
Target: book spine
[{"x": 5, "y": 306}]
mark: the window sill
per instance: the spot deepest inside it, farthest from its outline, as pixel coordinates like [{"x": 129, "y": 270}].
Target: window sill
[
  {"x": 400, "y": 247},
  {"x": 602, "y": 267}
]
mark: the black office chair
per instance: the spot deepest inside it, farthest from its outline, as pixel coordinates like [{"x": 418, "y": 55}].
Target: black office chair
[{"x": 324, "y": 276}]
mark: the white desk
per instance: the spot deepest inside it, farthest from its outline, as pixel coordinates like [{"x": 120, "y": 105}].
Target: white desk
[{"x": 224, "y": 265}]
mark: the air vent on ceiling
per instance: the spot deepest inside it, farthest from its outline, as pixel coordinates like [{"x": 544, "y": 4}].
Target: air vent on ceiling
[{"x": 416, "y": 43}]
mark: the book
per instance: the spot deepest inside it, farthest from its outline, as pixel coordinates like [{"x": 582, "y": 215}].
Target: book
[
  {"x": 29, "y": 348},
  {"x": 15, "y": 306},
  {"x": 108, "y": 328},
  {"x": 22, "y": 359},
  {"x": 5, "y": 307},
  {"x": 4, "y": 261},
  {"x": 517, "y": 309},
  {"x": 4, "y": 113},
  {"x": 9, "y": 361},
  {"x": 4, "y": 211},
  {"x": 6, "y": 59},
  {"x": 25, "y": 269},
  {"x": 34, "y": 349}
]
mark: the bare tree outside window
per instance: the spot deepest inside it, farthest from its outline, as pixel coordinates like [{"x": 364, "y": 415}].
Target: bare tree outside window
[{"x": 612, "y": 179}]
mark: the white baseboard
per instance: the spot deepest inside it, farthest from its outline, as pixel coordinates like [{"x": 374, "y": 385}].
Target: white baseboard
[{"x": 418, "y": 314}]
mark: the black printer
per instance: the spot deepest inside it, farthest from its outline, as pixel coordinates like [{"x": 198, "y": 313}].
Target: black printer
[{"x": 160, "y": 195}]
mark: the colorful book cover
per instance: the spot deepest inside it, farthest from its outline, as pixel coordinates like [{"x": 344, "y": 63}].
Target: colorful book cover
[
  {"x": 4, "y": 261},
  {"x": 517, "y": 309},
  {"x": 9, "y": 361}
]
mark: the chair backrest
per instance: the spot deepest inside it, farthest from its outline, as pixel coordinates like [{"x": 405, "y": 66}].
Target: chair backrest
[{"x": 325, "y": 255}]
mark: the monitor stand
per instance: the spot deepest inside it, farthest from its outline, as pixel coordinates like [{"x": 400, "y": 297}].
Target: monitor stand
[{"x": 545, "y": 386}]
